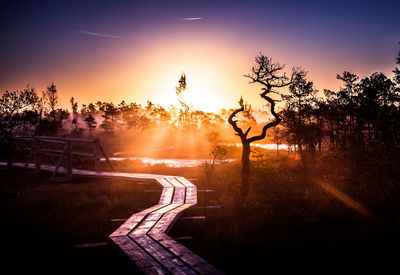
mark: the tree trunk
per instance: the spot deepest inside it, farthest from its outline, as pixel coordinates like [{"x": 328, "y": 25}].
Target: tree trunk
[
  {"x": 245, "y": 183},
  {"x": 302, "y": 155},
  {"x": 320, "y": 146},
  {"x": 369, "y": 133}
]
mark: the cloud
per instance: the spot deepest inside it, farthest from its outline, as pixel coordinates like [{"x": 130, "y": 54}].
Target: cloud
[
  {"x": 191, "y": 18},
  {"x": 97, "y": 34}
]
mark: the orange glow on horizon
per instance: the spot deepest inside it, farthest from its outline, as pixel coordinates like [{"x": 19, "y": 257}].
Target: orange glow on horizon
[{"x": 150, "y": 70}]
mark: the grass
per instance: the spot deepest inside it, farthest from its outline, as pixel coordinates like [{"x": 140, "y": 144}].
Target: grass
[
  {"x": 288, "y": 222},
  {"x": 43, "y": 221},
  {"x": 291, "y": 223}
]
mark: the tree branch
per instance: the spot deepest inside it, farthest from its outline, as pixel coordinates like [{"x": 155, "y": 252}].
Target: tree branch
[
  {"x": 270, "y": 124},
  {"x": 234, "y": 122}
]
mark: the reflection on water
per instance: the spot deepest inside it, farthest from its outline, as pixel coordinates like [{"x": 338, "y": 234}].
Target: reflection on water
[
  {"x": 187, "y": 162},
  {"x": 166, "y": 162},
  {"x": 266, "y": 146}
]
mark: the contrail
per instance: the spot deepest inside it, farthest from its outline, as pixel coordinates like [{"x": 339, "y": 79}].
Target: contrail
[
  {"x": 97, "y": 34},
  {"x": 191, "y": 18}
]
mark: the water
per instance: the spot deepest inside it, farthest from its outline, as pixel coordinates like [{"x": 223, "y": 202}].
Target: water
[
  {"x": 186, "y": 162},
  {"x": 166, "y": 162},
  {"x": 265, "y": 146}
]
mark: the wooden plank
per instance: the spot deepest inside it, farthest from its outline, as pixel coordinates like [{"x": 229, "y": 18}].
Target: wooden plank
[
  {"x": 152, "y": 270},
  {"x": 191, "y": 195},
  {"x": 27, "y": 138},
  {"x": 107, "y": 159},
  {"x": 146, "y": 224},
  {"x": 175, "y": 182},
  {"x": 36, "y": 157},
  {"x": 45, "y": 150},
  {"x": 68, "y": 159},
  {"x": 168, "y": 207},
  {"x": 133, "y": 221},
  {"x": 140, "y": 258},
  {"x": 179, "y": 195},
  {"x": 97, "y": 155},
  {"x": 50, "y": 154},
  {"x": 180, "y": 190},
  {"x": 198, "y": 263},
  {"x": 49, "y": 139},
  {"x": 167, "y": 260},
  {"x": 185, "y": 182},
  {"x": 58, "y": 165},
  {"x": 181, "y": 208},
  {"x": 74, "y": 153},
  {"x": 165, "y": 223},
  {"x": 50, "y": 157},
  {"x": 166, "y": 195},
  {"x": 164, "y": 183},
  {"x": 90, "y": 155},
  {"x": 142, "y": 237}
]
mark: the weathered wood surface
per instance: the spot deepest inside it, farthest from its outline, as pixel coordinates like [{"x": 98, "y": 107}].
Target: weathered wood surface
[
  {"x": 36, "y": 145},
  {"x": 143, "y": 236}
]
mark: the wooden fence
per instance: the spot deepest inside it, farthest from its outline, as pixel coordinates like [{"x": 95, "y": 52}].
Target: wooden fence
[
  {"x": 59, "y": 151},
  {"x": 143, "y": 237}
]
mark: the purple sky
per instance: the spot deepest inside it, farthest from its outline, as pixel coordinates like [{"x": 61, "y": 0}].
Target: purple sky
[{"x": 62, "y": 41}]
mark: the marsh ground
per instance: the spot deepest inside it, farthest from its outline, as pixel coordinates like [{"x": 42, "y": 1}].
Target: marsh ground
[{"x": 288, "y": 223}]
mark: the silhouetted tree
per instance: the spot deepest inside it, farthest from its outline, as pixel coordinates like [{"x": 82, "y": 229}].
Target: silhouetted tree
[
  {"x": 52, "y": 124},
  {"x": 269, "y": 75},
  {"x": 51, "y": 97},
  {"x": 159, "y": 114},
  {"x": 397, "y": 71},
  {"x": 135, "y": 117},
  {"x": 298, "y": 117},
  {"x": 74, "y": 106},
  {"x": 185, "y": 108},
  {"x": 13, "y": 105},
  {"x": 110, "y": 112},
  {"x": 277, "y": 136},
  {"x": 218, "y": 153},
  {"x": 90, "y": 123},
  {"x": 378, "y": 106}
]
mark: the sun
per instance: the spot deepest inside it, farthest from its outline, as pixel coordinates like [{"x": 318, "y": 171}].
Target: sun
[
  {"x": 201, "y": 95},
  {"x": 203, "y": 92}
]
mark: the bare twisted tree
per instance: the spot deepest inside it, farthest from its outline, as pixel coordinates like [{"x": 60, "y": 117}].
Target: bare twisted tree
[{"x": 269, "y": 74}]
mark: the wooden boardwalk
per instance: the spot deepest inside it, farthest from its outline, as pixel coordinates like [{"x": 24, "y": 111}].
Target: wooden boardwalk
[{"x": 143, "y": 237}]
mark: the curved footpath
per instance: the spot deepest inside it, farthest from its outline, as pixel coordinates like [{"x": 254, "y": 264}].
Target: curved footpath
[{"x": 143, "y": 236}]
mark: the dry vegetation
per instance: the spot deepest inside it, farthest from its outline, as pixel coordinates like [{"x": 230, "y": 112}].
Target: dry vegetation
[
  {"x": 289, "y": 222},
  {"x": 332, "y": 205}
]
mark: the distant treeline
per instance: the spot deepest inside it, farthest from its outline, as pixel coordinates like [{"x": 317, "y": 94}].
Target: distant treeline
[
  {"x": 24, "y": 112},
  {"x": 364, "y": 113}
]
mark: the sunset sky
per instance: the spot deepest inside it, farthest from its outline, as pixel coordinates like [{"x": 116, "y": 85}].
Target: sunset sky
[{"x": 137, "y": 50}]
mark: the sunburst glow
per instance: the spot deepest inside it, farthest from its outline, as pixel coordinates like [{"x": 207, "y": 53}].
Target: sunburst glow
[{"x": 203, "y": 88}]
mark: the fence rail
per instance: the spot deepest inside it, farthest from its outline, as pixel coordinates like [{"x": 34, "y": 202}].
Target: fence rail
[
  {"x": 143, "y": 237},
  {"x": 59, "y": 151}
]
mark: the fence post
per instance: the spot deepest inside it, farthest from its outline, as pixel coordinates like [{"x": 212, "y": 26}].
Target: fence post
[
  {"x": 36, "y": 154},
  {"x": 97, "y": 155},
  {"x": 68, "y": 158},
  {"x": 11, "y": 155}
]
